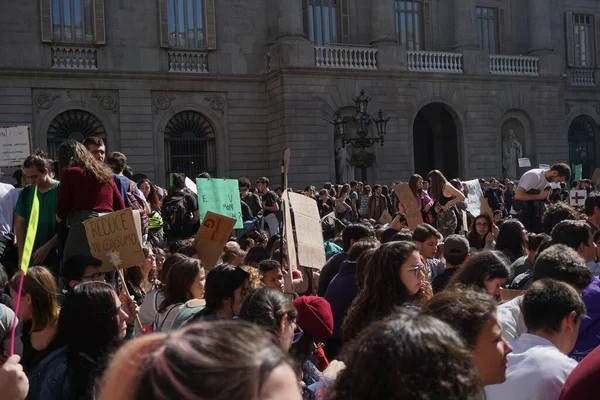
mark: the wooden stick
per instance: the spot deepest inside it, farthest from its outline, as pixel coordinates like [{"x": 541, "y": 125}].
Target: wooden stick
[{"x": 122, "y": 277}]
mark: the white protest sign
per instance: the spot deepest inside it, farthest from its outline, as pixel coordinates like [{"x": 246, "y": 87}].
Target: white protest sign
[
  {"x": 311, "y": 252},
  {"x": 191, "y": 185},
  {"x": 524, "y": 162},
  {"x": 577, "y": 197},
  {"x": 15, "y": 145},
  {"x": 544, "y": 166},
  {"x": 473, "y": 195}
]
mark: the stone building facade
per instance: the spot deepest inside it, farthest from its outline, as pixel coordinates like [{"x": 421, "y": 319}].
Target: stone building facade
[{"x": 225, "y": 86}]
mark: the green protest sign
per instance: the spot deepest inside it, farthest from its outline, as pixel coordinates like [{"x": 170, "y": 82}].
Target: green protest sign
[
  {"x": 577, "y": 171},
  {"x": 221, "y": 196}
]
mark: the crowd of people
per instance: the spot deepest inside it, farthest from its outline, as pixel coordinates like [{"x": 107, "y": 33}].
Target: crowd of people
[{"x": 506, "y": 309}]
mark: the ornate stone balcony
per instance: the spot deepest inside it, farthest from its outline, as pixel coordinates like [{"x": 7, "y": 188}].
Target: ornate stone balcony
[
  {"x": 346, "y": 57},
  {"x": 65, "y": 57},
  {"x": 188, "y": 61},
  {"x": 435, "y": 61},
  {"x": 582, "y": 77},
  {"x": 514, "y": 65}
]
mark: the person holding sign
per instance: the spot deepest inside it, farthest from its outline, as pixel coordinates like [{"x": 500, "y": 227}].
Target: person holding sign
[
  {"x": 87, "y": 190},
  {"x": 270, "y": 205},
  {"x": 37, "y": 173},
  {"x": 179, "y": 211}
]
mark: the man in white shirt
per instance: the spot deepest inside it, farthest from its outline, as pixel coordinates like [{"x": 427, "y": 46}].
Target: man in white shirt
[
  {"x": 557, "y": 262},
  {"x": 8, "y": 200},
  {"x": 539, "y": 366}
]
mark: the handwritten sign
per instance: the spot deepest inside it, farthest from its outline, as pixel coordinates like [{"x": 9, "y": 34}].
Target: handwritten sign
[
  {"x": 116, "y": 235},
  {"x": 311, "y": 252},
  {"x": 221, "y": 196},
  {"x": 524, "y": 162},
  {"x": 473, "y": 195},
  {"x": 15, "y": 146},
  {"x": 212, "y": 236},
  {"x": 577, "y": 197},
  {"x": 408, "y": 201}
]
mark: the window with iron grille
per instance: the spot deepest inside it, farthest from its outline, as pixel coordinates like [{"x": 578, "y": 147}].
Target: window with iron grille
[
  {"x": 582, "y": 40},
  {"x": 185, "y": 19},
  {"x": 73, "y": 21},
  {"x": 409, "y": 23},
  {"x": 190, "y": 146},
  {"x": 487, "y": 29},
  {"x": 73, "y": 125}
]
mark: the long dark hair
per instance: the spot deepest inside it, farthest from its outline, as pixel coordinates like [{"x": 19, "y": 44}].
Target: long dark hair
[
  {"x": 475, "y": 240},
  {"x": 383, "y": 289},
  {"x": 438, "y": 181},
  {"x": 396, "y": 358},
  {"x": 412, "y": 184},
  {"x": 89, "y": 326},
  {"x": 152, "y": 199},
  {"x": 483, "y": 265},
  {"x": 180, "y": 279},
  {"x": 510, "y": 240},
  {"x": 74, "y": 154}
]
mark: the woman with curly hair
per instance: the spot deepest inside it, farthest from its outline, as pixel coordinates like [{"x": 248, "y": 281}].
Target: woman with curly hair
[
  {"x": 87, "y": 190},
  {"x": 396, "y": 277},
  {"x": 408, "y": 356},
  {"x": 487, "y": 270}
]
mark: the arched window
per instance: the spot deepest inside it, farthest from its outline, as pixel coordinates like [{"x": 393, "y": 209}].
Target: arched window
[
  {"x": 190, "y": 146},
  {"x": 73, "y": 125},
  {"x": 582, "y": 145}
]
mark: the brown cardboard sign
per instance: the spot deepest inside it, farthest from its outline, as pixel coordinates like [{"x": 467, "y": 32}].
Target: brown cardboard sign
[
  {"x": 486, "y": 209},
  {"x": 408, "y": 201},
  {"x": 212, "y": 237},
  {"x": 116, "y": 239},
  {"x": 311, "y": 251},
  {"x": 291, "y": 243}
]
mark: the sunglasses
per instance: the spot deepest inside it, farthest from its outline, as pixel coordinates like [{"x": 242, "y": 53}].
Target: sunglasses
[
  {"x": 297, "y": 335},
  {"x": 416, "y": 269}
]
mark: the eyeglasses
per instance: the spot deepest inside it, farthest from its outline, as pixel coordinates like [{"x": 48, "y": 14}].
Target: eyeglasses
[
  {"x": 415, "y": 269},
  {"x": 93, "y": 277},
  {"x": 297, "y": 335}
]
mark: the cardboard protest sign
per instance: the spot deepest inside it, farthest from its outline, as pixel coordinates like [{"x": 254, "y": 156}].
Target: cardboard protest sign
[
  {"x": 465, "y": 222},
  {"x": 486, "y": 209},
  {"x": 116, "y": 239},
  {"x": 212, "y": 237},
  {"x": 408, "y": 201},
  {"x": 221, "y": 196},
  {"x": 15, "y": 145},
  {"x": 311, "y": 252},
  {"x": 577, "y": 197},
  {"x": 596, "y": 177},
  {"x": 473, "y": 195},
  {"x": 290, "y": 242}
]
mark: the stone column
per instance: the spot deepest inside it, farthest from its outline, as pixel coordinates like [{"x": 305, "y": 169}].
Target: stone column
[
  {"x": 465, "y": 31},
  {"x": 540, "y": 35},
  {"x": 390, "y": 56},
  {"x": 289, "y": 18}
]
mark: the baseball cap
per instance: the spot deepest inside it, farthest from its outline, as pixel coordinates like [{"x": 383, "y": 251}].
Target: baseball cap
[{"x": 456, "y": 245}]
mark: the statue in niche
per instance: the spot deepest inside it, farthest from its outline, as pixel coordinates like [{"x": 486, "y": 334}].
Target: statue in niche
[
  {"x": 343, "y": 166},
  {"x": 512, "y": 150}
]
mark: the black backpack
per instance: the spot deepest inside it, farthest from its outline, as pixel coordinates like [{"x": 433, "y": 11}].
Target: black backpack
[{"x": 176, "y": 217}]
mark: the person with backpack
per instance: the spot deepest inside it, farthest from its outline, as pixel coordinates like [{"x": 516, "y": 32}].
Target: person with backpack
[{"x": 179, "y": 211}]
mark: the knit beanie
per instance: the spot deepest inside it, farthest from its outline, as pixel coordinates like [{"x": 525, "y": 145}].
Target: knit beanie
[{"x": 314, "y": 316}]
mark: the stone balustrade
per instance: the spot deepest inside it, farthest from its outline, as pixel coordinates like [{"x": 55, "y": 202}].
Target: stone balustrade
[
  {"x": 435, "y": 61},
  {"x": 346, "y": 57},
  {"x": 514, "y": 65},
  {"x": 582, "y": 77},
  {"x": 65, "y": 57},
  {"x": 188, "y": 61}
]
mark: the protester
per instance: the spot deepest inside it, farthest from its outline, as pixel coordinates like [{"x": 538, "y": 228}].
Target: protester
[
  {"x": 456, "y": 252},
  {"x": 341, "y": 292},
  {"x": 271, "y": 274},
  {"x": 185, "y": 281},
  {"x": 578, "y": 236},
  {"x": 408, "y": 356},
  {"x": 79, "y": 268},
  {"x": 361, "y": 268},
  {"x": 365, "y": 196},
  {"x": 95, "y": 145},
  {"x": 248, "y": 365},
  {"x": 396, "y": 277},
  {"x": 251, "y": 199},
  {"x": 525, "y": 263},
  {"x": 592, "y": 211},
  {"x": 557, "y": 213},
  {"x": 272, "y": 310},
  {"x": 481, "y": 235},
  {"x": 486, "y": 270},
  {"x": 179, "y": 212},
  {"x": 234, "y": 256},
  {"x": 38, "y": 313},
  {"x": 37, "y": 174},
  {"x": 445, "y": 196},
  {"x": 156, "y": 233},
  {"x": 87, "y": 190},
  {"x": 424, "y": 202},
  {"x": 225, "y": 290},
  {"x": 512, "y": 240},
  {"x": 377, "y": 203},
  {"x": 255, "y": 255},
  {"x": 270, "y": 204},
  {"x": 539, "y": 365},
  {"x": 427, "y": 239},
  {"x": 141, "y": 280},
  {"x": 473, "y": 315}
]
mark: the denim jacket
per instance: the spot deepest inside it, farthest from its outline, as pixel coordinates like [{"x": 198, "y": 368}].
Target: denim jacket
[{"x": 51, "y": 378}]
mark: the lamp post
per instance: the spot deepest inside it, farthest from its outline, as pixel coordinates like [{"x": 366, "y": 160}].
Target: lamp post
[{"x": 362, "y": 121}]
